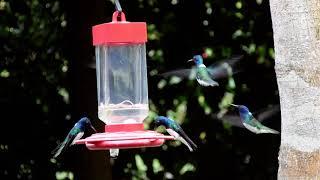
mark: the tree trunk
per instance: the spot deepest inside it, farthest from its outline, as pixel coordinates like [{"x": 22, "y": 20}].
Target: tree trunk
[
  {"x": 81, "y": 16},
  {"x": 296, "y": 27}
]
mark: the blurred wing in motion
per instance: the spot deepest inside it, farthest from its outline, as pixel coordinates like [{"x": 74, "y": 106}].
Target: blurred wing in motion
[
  {"x": 233, "y": 120},
  {"x": 182, "y": 73},
  {"x": 224, "y": 68},
  {"x": 268, "y": 112}
]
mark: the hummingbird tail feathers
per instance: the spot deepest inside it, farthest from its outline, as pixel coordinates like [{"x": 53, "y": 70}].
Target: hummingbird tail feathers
[
  {"x": 269, "y": 130},
  {"x": 187, "y": 139},
  {"x": 185, "y": 143},
  {"x": 181, "y": 136},
  {"x": 57, "y": 151},
  {"x": 61, "y": 147}
]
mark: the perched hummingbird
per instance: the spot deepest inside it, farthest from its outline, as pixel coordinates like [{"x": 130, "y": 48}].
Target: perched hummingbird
[
  {"x": 176, "y": 131},
  {"x": 205, "y": 76},
  {"x": 251, "y": 123},
  {"x": 75, "y": 134}
]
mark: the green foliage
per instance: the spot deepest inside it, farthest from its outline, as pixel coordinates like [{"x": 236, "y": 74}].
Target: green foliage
[
  {"x": 36, "y": 94},
  {"x": 220, "y": 29}
]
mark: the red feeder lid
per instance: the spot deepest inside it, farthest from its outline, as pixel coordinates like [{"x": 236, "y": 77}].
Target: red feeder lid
[
  {"x": 124, "y": 136},
  {"x": 119, "y": 32}
]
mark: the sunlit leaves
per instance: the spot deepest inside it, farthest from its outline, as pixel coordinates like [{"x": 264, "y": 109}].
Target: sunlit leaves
[
  {"x": 259, "y": 1},
  {"x": 209, "y": 52},
  {"x": 238, "y": 4},
  {"x": 162, "y": 83},
  {"x": 140, "y": 164},
  {"x": 4, "y": 73},
  {"x": 204, "y": 104},
  {"x": 187, "y": 168},
  {"x": 35, "y": 66},
  {"x": 175, "y": 80},
  {"x": 2, "y": 5},
  {"x": 237, "y": 33},
  {"x": 239, "y": 15},
  {"x": 141, "y": 168},
  {"x": 156, "y": 55},
  {"x": 271, "y": 53},
  {"x": 203, "y": 136},
  {"x": 156, "y": 166},
  {"x": 180, "y": 112},
  {"x": 62, "y": 175},
  {"x": 4, "y": 147},
  {"x": 64, "y": 93},
  {"x": 153, "y": 33},
  {"x": 174, "y": 2},
  {"x": 24, "y": 171},
  {"x": 226, "y": 100},
  {"x": 140, "y": 172},
  {"x": 250, "y": 49}
]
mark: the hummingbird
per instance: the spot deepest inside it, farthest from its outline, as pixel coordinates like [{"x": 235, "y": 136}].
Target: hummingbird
[
  {"x": 175, "y": 130},
  {"x": 262, "y": 115},
  {"x": 204, "y": 75},
  {"x": 251, "y": 123},
  {"x": 74, "y": 134}
]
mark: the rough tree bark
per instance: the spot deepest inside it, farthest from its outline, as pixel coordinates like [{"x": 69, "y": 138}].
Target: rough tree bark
[{"x": 296, "y": 27}]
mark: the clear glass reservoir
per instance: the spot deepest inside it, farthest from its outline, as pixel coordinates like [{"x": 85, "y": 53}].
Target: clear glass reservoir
[
  {"x": 122, "y": 83},
  {"x": 121, "y": 70}
]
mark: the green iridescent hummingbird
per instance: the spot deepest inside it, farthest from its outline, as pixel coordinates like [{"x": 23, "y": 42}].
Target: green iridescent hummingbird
[
  {"x": 251, "y": 123},
  {"x": 74, "y": 134},
  {"x": 261, "y": 115},
  {"x": 175, "y": 130},
  {"x": 204, "y": 75}
]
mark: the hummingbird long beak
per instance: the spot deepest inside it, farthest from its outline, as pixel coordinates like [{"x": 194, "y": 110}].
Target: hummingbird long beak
[
  {"x": 234, "y": 105},
  {"x": 93, "y": 128},
  {"x": 190, "y": 60}
]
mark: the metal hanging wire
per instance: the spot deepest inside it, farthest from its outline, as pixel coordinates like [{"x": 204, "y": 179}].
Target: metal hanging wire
[{"x": 118, "y": 5}]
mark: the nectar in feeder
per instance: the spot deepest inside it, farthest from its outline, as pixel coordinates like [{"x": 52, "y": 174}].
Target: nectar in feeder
[{"x": 122, "y": 86}]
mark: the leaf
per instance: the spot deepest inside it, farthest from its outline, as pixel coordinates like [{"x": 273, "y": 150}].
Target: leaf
[{"x": 186, "y": 168}]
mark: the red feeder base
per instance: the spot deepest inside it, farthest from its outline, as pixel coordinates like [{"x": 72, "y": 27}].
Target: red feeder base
[{"x": 124, "y": 136}]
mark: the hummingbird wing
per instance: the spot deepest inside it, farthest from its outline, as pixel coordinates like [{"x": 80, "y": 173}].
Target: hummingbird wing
[
  {"x": 233, "y": 120},
  {"x": 268, "y": 112},
  {"x": 182, "y": 73},
  {"x": 224, "y": 68}
]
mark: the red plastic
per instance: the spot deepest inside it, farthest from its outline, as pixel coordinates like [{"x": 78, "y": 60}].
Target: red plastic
[
  {"x": 119, "y": 32},
  {"x": 124, "y": 136}
]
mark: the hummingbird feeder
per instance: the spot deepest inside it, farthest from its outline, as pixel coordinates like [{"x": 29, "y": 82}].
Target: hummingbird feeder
[{"x": 122, "y": 86}]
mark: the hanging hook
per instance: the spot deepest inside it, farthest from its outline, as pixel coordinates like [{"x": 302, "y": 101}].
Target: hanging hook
[{"x": 118, "y": 8}]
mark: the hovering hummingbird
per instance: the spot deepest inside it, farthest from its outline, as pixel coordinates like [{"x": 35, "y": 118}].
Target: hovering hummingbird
[
  {"x": 206, "y": 76},
  {"x": 262, "y": 115},
  {"x": 251, "y": 123},
  {"x": 176, "y": 131},
  {"x": 75, "y": 134}
]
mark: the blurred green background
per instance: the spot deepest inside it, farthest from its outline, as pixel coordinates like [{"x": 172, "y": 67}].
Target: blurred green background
[{"x": 47, "y": 84}]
